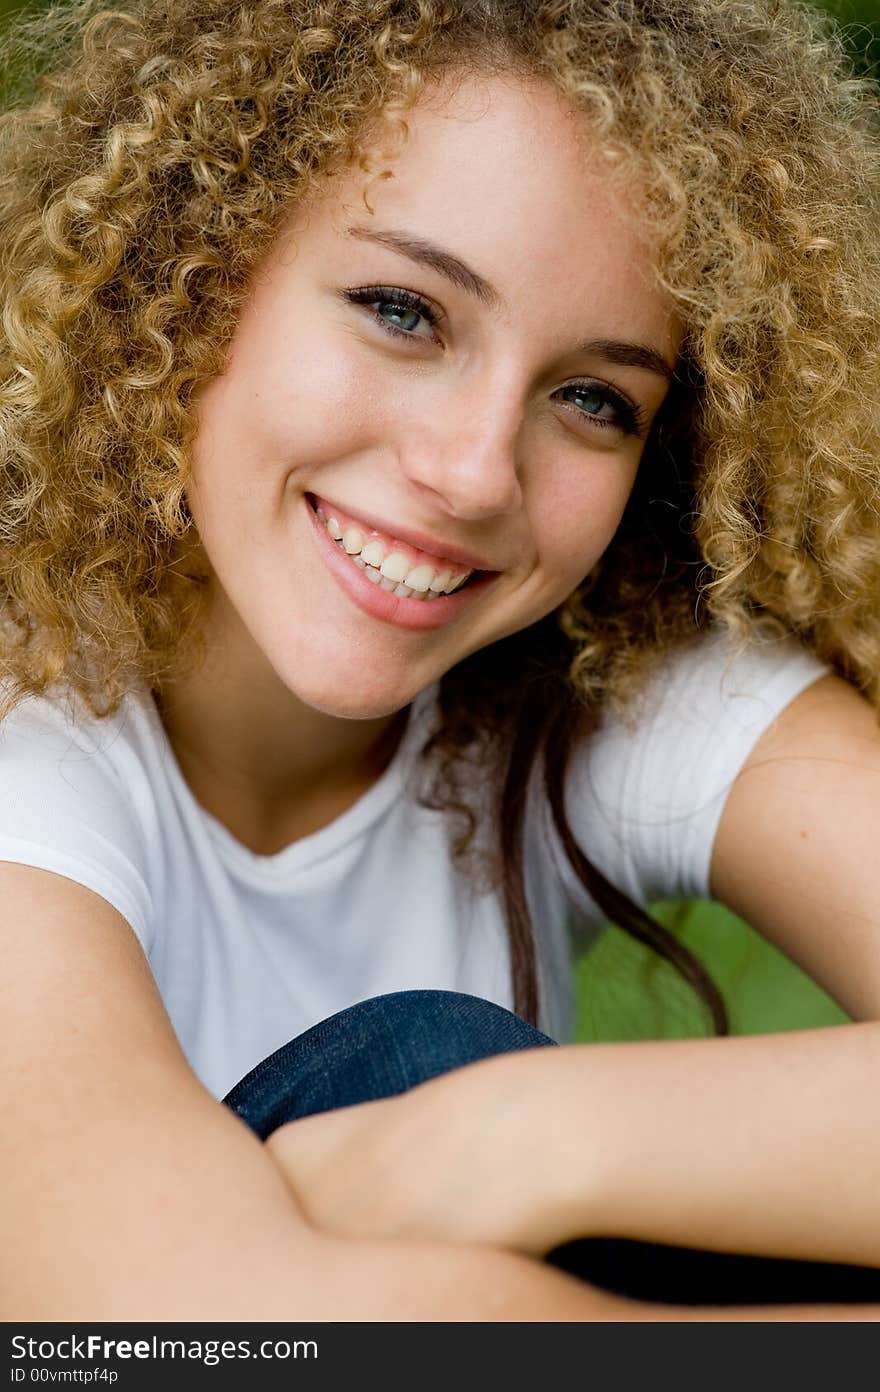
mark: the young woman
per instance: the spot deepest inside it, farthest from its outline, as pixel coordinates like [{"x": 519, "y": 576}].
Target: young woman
[{"x": 439, "y": 514}]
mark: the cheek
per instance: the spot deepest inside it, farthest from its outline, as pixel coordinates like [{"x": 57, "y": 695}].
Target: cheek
[
  {"x": 299, "y": 401},
  {"x": 315, "y": 390},
  {"x": 579, "y": 516}
]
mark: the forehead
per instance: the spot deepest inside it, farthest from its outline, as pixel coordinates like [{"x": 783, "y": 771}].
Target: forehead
[{"x": 505, "y": 174}]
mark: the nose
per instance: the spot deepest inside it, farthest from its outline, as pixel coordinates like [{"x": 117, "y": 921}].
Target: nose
[{"x": 466, "y": 457}]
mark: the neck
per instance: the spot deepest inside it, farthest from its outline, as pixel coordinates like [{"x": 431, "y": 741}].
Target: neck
[{"x": 267, "y": 766}]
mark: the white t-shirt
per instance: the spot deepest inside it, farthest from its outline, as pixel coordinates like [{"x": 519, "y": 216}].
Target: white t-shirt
[{"x": 249, "y": 950}]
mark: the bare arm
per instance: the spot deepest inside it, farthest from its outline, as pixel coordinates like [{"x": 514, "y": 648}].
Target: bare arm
[
  {"x": 768, "y": 1145},
  {"x": 727, "y": 1145},
  {"x": 796, "y": 854},
  {"x": 128, "y": 1192}
]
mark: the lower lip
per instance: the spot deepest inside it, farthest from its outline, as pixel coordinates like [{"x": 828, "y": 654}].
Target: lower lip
[{"x": 416, "y": 614}]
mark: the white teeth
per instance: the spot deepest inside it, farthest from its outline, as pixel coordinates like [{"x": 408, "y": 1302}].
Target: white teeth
[
  {"x": 373, "y": 553},
  {"x": 353, "y": 541},
  {"x": 394, "y": 572},
  {"x": 395, "y": 567},
  {"x": 420, "y": 577}
]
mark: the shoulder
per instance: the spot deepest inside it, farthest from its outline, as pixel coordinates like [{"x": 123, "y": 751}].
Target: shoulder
[
  {"x": 56, "y": 739},
  {"x": 714, "y": 695},
  {"x": 63, "y": 713},
  {"x": 72, "y": 795},
  {"x": 717, "y": 677},
  {"x": 648, "y": 787}
]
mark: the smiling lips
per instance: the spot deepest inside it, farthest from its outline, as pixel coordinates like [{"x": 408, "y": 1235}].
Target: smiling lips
[{"x": 395, "y": 566}]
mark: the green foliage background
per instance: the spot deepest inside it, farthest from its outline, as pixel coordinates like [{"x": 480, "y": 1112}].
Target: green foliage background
[{"x": 624, "y": 990}]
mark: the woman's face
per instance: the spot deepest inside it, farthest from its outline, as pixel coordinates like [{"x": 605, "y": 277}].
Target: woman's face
[{"x": 457, "y": 378}]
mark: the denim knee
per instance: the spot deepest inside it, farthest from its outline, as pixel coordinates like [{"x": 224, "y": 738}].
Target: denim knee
[{"x": 377, "y": 1048}]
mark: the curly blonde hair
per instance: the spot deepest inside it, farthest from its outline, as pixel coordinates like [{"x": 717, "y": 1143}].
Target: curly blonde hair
[{"x": 144, "y": 173}]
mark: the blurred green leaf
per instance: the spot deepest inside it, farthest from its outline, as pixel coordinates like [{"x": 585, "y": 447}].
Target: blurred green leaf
[{"x": 625, "y": 991}]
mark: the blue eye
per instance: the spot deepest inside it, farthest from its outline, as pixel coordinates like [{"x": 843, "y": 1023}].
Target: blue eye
[
  {"x": 601, "y": 405},
  {"x": 399, "y": 312},
  {"x": 398, "y": 315},
  {"x": 590, "y": 400}
]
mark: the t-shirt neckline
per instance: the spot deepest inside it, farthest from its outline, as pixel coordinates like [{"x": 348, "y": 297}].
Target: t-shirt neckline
[{"x": 350, "y": 824}]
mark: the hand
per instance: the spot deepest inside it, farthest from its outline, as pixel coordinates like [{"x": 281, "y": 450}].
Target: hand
[{"x": 453, "y": 1160}]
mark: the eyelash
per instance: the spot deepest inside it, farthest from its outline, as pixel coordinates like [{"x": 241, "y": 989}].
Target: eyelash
[
  {"x": 405, "y": 299},
  {"x": 630, "y": 417}
]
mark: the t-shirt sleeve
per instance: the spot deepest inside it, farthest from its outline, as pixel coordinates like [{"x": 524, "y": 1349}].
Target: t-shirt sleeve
[
  {"x": 65, "y": 807},
  {"x": 645, "y": 793}
]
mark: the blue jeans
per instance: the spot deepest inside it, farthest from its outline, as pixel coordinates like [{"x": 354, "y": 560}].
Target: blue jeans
[{"x": 389, "y": 1044}]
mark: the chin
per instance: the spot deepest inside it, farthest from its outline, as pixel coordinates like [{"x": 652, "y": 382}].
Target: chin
[
  {"x": 329, "y": 690},
  {"x": 354, "y": 707}
]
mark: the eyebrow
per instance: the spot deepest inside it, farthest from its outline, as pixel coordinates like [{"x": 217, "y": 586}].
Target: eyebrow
[
  {"x": 629, "y": 355},
  {"x": 425, "y": 253}
]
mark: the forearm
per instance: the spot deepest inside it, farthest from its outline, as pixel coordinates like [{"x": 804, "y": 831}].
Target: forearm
[
  {"x": 149, "y": 1206},
  {"x": 768, "y": 1145},
  {"x": 406, "y": 1281},
  {"x": 188, "y": 1219},
  {"x": 415, "y": 1281}
]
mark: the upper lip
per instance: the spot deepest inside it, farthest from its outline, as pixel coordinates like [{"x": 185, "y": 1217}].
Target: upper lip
[{"x": 443, "y": 550}]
